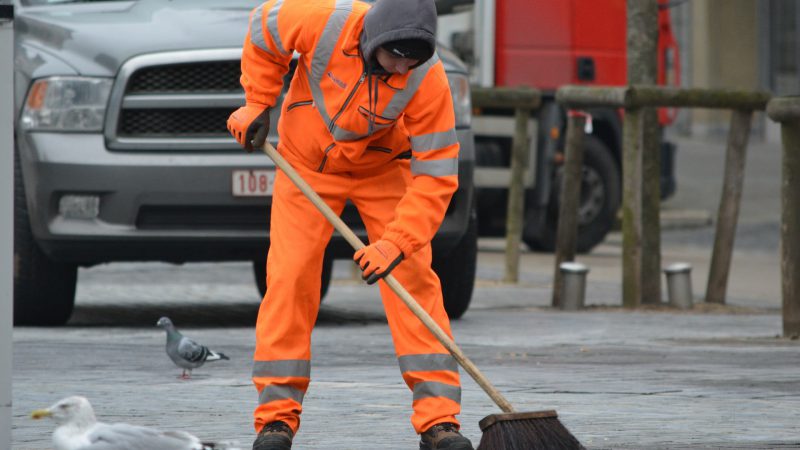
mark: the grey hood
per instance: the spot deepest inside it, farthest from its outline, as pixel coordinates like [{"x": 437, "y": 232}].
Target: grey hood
[{"x": 392, "y": 20}]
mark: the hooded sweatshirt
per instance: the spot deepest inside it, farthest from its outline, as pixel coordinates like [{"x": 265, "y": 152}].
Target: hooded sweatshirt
[{"x": 341, "y": 115}]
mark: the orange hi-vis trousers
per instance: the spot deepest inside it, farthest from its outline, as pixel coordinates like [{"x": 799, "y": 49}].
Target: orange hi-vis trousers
[{"x": 299, "y": 234}]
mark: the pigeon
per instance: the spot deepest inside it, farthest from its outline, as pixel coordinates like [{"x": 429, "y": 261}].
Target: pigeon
[
  {"x": 184, "y": 352},
  {"x": 78, "y": 429}
]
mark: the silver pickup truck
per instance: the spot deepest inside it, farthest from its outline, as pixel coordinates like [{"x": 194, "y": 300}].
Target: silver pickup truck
[{"x": 122, "y": 151}]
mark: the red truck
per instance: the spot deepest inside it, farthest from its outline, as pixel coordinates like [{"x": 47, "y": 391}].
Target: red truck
[{"x": 546, "y": 44}]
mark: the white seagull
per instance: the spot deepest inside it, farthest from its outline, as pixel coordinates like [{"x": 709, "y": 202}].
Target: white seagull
[{"x": 77, "y": 428}]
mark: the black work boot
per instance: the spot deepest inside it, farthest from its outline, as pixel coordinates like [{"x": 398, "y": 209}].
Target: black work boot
[
  {"x": 274, "y": 436},
  {"x": 444, "y": 436}
]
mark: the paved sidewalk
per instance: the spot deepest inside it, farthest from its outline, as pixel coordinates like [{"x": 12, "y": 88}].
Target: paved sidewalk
[{"x": 707, "y": 378}]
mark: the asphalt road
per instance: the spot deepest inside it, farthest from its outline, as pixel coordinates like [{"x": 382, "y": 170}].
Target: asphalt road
[{"x": 711, "y": 377}]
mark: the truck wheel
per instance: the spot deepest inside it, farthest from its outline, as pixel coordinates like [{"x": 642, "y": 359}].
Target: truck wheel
[
  {"x": 599, "y": 200},
  {"x": 44, "y": 290},
  {"x": 456, "y": 271},
  {"x": 260, "y": 272}
]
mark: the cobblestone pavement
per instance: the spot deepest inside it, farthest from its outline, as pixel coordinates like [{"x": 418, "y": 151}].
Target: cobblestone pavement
[{"x": 712, "y": 377}]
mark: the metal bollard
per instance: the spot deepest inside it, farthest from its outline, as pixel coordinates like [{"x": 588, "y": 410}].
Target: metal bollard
[
  {"x": 679, "y": 285},
  {"x": 573, "y": 285}
]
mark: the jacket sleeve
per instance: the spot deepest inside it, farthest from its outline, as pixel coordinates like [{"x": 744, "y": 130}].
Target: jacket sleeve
[
  {"x": 430, "y": 121},
  {"x": 277, "y": 29}
]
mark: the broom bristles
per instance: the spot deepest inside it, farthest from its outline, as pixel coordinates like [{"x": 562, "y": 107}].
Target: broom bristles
[{"x": 529, "y": 431}]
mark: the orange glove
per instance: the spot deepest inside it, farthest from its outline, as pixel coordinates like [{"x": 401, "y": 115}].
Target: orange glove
[
  {"x": 249, "y": 125},
  {"x": 377, "y": 260}
]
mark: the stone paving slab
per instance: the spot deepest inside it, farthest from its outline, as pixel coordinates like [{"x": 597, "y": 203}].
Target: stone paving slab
[{"x": 713, "y": 377}]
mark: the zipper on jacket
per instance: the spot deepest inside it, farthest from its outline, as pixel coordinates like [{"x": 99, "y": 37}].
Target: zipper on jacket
[
  {"x": 347, "y": 101},
  {"x": 301, "y": 103},
  {"x": 325, "y": 158}
]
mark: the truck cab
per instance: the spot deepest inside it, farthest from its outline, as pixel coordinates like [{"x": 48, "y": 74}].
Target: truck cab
[{"x": 547, "y": 44}]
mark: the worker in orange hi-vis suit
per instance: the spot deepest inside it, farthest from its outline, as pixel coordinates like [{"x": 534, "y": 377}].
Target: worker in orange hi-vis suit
[{"x": 368, "y": 117}]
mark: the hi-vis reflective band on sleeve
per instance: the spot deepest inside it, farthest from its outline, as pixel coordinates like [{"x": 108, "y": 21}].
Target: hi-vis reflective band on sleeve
[
  {"x": 433, "y": 141},
  {"x": 257, "y": 32},
  {"x": 435, "y": 167}
]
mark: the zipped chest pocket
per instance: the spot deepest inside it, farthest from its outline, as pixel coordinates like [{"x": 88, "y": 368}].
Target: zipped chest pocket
[
  {"x": 377, "y": 118},
  {"x": 300, "y": 103}
]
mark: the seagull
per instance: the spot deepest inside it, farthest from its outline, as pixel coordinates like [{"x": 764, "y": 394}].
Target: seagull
[
  {"x": 184, "y": 352},
  {"x": 78, "y": 429}
]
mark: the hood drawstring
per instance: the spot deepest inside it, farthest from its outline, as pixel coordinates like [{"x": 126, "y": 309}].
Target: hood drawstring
[{"x": 372, "y": 92}]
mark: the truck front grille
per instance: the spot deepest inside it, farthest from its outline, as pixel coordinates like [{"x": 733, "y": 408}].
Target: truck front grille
[
  {"x": 195, "y": 122},
  {"x": 175, "y": 101},
  {"x": 208, "y": 77}
]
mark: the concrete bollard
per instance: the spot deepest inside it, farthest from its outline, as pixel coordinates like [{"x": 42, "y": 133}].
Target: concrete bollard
[
  {"x": 679, "y": 285},
  {"x": 573, "y": 285}
]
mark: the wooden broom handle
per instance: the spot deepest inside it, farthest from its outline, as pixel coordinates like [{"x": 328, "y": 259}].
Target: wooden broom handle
[{"x": 390, "y": 280}]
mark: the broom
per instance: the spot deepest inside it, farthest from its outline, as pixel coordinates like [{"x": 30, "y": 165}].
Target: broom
[{"x": 511, "y": 430}]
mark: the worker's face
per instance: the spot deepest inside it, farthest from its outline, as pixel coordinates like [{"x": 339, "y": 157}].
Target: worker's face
[{"x": 393, "y": 63}]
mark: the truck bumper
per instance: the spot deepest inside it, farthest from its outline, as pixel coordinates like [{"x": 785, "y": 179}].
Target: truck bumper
[{"x": 171, "y": 206}]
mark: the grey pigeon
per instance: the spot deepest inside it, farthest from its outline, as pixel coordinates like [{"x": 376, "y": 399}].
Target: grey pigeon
[
  {"x": 184, "y": 352},
  {"x": 78, "y": 429}
]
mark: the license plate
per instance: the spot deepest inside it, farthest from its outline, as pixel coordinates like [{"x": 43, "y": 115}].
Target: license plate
[{"x": 252, "y": 183}]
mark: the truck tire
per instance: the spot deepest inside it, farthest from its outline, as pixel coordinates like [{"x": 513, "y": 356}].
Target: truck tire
[
  {"x": 601, "y": 188},
  {"x": 260, "y": 272},
  {"x": 44, "y": 290},
  {"x": 456, "y": 271}
]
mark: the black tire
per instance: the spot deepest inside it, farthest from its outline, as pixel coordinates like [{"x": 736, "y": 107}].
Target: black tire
[
  {"x": 456, "y": 271},
  {"x": 601, "y": 192},
  {"x": 260, "y": 272},
  {"x": 44, "y": 290}
]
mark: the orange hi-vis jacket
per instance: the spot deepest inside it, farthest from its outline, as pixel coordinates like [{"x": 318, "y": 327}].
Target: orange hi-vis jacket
[{"x": 339, "y": 117}]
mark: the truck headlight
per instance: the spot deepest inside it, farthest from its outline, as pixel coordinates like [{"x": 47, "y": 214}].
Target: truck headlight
[
  {"x": 462, "y": 102},
  {"x": 66, "y": 104}
]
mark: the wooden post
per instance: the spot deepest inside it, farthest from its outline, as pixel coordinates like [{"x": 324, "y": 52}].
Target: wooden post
[
  {"x": 728, "y": 215},
  {"x": 651, "y": 206},
  {"x": 642, "y": 48},
  {"x": 567, "y": 233},
  {"x": 790, "y": 227},
  {"x": 632, "y": 209},
  {"x": 786, "y": 110},
  {"x": 523, "y": 100},
  {"x": 516, "y": 194}
]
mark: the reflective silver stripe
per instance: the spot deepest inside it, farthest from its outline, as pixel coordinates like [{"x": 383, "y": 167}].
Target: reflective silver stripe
[
  {"x": 342, "y": 134},
  {"x": 396, "y": 105},
  {"x": 427, "y": 362},
  {"x": 322, "y": 57},
  {"x": 434, "y": 141},
  {"x": 257, "y": 30},
  {"x": 400, "y": 99},
  {"x": 282, "y": 368},
  {"x": 277, "y": 392},
  {"x": 434, "y": 168},
  {"x": 323, "y": 52},
  {"x": 272, "y": 25},
  {"x": 427, "y": 389}
]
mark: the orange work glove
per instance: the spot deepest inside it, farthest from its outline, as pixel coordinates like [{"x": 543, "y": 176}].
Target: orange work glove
[
  {"x": 377, "y": 260},
  {"x": 249, "y": 125}
]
